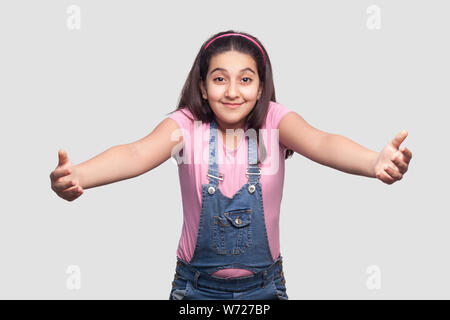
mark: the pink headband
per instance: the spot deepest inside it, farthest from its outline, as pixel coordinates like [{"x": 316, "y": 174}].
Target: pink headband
[{"x": 238, "y": 34}]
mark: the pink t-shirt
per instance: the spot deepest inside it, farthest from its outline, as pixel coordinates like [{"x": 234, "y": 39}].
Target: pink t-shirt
[{"x": 193, "y": 167}]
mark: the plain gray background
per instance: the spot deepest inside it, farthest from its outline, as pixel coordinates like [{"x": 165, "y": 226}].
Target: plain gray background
[{"x": 112, "y": 81}]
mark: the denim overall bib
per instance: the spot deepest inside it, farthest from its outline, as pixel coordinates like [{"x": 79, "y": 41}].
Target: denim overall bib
[{"x": 231, "y": 234}]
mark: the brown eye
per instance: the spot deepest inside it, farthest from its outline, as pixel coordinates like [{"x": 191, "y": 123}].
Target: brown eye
[{"x": 242, "y": 78}]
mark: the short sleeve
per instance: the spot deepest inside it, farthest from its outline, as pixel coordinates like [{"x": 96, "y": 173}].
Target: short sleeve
[
  {"x": 276, "y": 112},
  {"x": 184, "y": 119}
]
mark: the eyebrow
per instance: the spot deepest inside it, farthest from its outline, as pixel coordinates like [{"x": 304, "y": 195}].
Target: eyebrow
[{"x": 222, "y": 69}]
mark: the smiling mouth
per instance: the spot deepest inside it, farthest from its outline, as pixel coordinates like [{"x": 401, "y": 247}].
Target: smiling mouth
[{"x": 232, "y": 105}]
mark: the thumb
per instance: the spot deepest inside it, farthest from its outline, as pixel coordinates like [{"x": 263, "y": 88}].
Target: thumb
[
  {"x": 62, "y": 156},
  {"x": 399, "y": 138}
]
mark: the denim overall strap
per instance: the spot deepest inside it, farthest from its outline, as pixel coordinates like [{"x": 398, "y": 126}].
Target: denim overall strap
[
  {"x": 213, "y": 169},
  {"x": 253, "y": 170}
]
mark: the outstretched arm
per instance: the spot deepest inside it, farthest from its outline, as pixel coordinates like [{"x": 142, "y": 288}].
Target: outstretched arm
[
  {"x": 133, "y": 159},
  {"x": 343, "y": 154}
]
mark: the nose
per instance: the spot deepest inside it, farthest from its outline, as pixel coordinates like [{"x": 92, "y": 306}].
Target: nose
[{"x": 232, "y": 91}]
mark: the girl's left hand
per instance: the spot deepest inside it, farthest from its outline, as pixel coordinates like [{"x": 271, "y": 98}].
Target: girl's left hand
[{"x": 392, "y": 162}]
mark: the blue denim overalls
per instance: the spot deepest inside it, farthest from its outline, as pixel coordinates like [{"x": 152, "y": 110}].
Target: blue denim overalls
[{"x": 231, "y": 234}]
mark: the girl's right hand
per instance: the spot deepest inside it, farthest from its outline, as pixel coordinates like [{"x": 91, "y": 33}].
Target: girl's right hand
[{"x": 64, "y": 179}]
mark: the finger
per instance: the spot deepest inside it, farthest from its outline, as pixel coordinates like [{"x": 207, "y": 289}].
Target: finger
[
  {"x": 383, "y": 176},
  {"x": 61, "y": 186},
  {"x": 393, "y": 172},
  {"x": 70, "y": 190},
  {"x": 399, "y": 138},
  {"x": 62, "y": 156},
  {"x": 401, "y": 165},
  {"x": 407, "y": 153},
  {"x": 58, "y": 173},
  {"x": 72, "y": 193}
]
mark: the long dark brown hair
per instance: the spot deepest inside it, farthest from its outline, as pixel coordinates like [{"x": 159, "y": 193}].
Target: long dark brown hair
[{"x": 191, "y": 96}]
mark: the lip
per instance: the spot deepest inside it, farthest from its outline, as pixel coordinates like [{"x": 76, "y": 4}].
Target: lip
[{"x": 232, "y": 105}]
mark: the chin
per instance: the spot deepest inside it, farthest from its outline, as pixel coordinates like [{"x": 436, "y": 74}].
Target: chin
[
  {"x": 232, "y": 119},
  {"x": 231, "y": 116}
]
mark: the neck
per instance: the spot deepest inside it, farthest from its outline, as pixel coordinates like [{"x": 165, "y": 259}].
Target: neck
[
  {"x": 235, "y": 137},
  {"x": 233, "y": 126}
]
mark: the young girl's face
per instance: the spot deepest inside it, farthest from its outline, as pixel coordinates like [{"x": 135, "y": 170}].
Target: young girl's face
[{"x": 232, "y": 78}]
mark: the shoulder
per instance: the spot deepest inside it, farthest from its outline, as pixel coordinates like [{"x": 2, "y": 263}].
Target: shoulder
[
  {"x": 275, "y": 113},
  {"x": 183, "y": 117},
  {"x": 182, "y": 113}
]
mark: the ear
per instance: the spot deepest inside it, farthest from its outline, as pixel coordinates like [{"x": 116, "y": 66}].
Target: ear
[
  {"x": 203, "y": 90},
  {"x": 260, "y": 91}
]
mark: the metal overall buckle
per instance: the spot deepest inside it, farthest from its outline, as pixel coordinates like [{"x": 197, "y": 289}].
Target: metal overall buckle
[
  {"x": 211, "y": 189},
  {"x": 220, "y": 177},
  {"x": 252, "y": 188},
  {"x": 258, "y": 173}
]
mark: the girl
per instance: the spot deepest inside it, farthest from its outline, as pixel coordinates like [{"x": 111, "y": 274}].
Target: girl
[{"x": 230, "y": 138}]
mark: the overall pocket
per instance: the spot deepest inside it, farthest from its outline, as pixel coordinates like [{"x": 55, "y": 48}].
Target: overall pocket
[
  {"x": 279, "y": 288},
  {"x": 180, "y": 288},
  {"x": 232, "y": 232}
]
